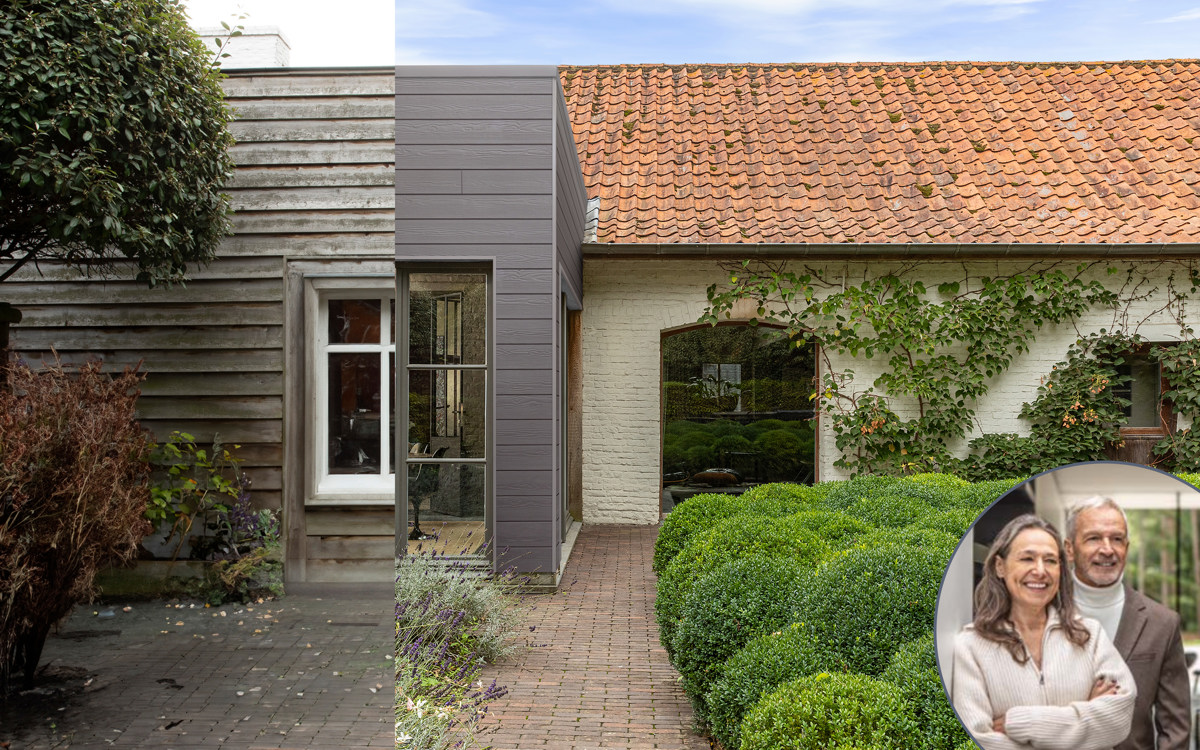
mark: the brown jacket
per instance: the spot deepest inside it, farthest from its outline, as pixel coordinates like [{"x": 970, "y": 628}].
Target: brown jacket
[{"x": 1148, "y": 639}]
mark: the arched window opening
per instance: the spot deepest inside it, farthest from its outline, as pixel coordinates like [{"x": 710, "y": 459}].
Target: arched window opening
[{"x": 736, "y": 410}]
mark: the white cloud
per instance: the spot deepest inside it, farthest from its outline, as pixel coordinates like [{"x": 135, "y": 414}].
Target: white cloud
[{"x": 1187, "y": 15}]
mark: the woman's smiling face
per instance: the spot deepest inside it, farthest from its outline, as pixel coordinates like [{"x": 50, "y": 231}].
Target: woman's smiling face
[{"x": 1031, "y": 570}]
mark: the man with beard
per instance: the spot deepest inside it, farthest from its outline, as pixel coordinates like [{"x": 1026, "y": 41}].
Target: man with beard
[{"x": 1145, "y": 632}]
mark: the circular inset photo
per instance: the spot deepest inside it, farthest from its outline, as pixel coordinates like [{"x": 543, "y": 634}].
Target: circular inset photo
[{"x": 1069, "y": 616}]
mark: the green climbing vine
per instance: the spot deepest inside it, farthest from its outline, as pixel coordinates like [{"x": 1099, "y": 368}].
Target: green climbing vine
[{"x": 942, "y": 346}]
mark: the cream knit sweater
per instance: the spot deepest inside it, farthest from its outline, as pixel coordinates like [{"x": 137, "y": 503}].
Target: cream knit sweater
[{"x": 1046, "y": 708}]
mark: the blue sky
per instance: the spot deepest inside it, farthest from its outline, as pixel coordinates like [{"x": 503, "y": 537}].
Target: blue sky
[{"x": 736, "y": 31}]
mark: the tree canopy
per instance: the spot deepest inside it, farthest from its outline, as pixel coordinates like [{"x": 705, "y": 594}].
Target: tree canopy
[{"x": 113, "y": 138}]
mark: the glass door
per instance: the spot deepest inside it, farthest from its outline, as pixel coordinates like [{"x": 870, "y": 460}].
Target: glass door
[{"x": 442, "y": 496}]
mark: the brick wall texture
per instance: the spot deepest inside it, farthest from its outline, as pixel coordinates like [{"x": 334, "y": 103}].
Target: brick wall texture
[{"x": 628, "y": 303}]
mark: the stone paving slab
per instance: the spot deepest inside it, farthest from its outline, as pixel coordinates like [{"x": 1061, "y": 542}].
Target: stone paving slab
[
  {"x": 311, "y": 670},
  {"x": 596, "y": 676}
]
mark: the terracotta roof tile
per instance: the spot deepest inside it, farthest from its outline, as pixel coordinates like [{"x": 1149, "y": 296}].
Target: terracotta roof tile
[{"x": 963, "y": 152}]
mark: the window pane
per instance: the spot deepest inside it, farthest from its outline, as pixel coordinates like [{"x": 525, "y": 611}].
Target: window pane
[
  {"x": 737, "y": 409},
  {"x": 447, "y": 318},
  {"x": 354, "y": 404},
  {"x": 446, "y": 412},
  {"x": 445, "y": 493},
  {"x": 354, "y": 321}
]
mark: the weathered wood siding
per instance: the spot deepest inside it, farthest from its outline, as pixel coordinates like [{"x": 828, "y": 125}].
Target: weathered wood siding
[
  {"x": 477, "y": 151},
  {"x": 313, "y": 184}
]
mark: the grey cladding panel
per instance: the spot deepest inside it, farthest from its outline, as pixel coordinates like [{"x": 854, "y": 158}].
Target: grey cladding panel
[
  {"x": 429, "y": 182},
  {"x": 523, "y": 331},
  {"x": 523, "y": 533},
  {"x": 473, "y": 157},
  {"x": 472, "y": 131},
  {"x": 523, "y": 431},
  {"x": 474, "y": 107},
  {"x": 524, "y": 280},
  {"x": 524, "y": 407},
  {"x": 507, "y": 181},
  {"x": 525, "y": 457},
  {"x": 473, "y": 207},
  {"x": 524, "y": 307},
  {"x": 524, "y": 383},
  {"x": 487, "y": 233},
  {"x": 474, "y": 86},
  {"x": 525, "y": 356},
  {"x": 523, "y": 508},
  {"x": 526, "y": 559}
]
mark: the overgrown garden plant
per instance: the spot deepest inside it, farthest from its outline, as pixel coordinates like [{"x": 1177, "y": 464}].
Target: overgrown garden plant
[
  {"x": 940, "y": 347},
  {"x": 73, "y": 488}
]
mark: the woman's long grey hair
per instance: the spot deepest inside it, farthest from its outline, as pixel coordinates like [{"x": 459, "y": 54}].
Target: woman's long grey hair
[{"x": 993, "y": 603}]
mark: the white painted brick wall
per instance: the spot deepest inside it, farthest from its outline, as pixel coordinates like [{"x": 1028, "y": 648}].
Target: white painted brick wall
[
  {"x": 628, "y": 303},
  {"x": 257, "y": 47}
]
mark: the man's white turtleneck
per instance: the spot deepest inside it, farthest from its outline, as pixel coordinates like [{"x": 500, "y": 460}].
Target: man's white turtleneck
[{"x": 1103, "y": 604}]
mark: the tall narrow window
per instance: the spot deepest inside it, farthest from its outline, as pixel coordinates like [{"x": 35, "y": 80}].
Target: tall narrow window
[
  {"x": 356, "y": 395},
  {"x": 445, "y": 387}
]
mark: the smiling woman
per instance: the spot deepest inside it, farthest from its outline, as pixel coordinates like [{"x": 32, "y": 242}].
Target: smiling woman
[{"x": 1029, "y": 669}]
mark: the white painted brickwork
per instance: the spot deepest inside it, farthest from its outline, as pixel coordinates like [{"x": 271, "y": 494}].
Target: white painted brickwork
[
  {"x": 628, "y": 303},
  {"x": 257, "y": 47}
]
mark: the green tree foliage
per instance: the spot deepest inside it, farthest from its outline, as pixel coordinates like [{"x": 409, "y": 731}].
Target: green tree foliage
[{"x": 113, "y": 138}]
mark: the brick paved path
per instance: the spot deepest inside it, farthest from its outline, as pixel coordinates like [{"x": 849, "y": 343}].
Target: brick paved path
[
  {"x": 596, "y": 676},
  {"x": 311, "y": 670}
]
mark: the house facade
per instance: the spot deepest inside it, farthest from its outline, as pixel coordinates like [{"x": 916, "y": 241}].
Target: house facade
[{"x": 446, "y": 307}]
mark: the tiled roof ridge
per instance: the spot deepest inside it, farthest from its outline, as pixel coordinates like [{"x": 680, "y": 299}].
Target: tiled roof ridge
[{"x": 981, "y": 64}]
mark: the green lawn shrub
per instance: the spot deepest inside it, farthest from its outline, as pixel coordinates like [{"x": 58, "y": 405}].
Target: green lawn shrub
[
  {"x": 731, "y": 539},
  {"x": 840, "y": 495},
  {"x": 889, "y": 509},
  {"x": 759, "y": 668},
  {"x": 915, "y": 535},
  {"x": 729, "y": 606},
  {"x": 831, "y": 712},
  {"x": 953, "y": 521},
  {"x": 914, "y": 670},
  {"x": 980, "y": 495},
  {"x": 700, "y": 513},
  {"x": 863, "y": 603}
]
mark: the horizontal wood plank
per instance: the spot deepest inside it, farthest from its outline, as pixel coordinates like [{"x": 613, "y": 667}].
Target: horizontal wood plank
[
  {"x": 330, "y": 152},
  {"x": 321, "y": 198},
  {"x": 86, "y": 316},
  {"x": 352, "y": 547},
  {"x": 152, "y": 361},
  {"x": 372, "y": 522},
  {"x": 322, "y": 175},
  {"x": 144, "y": 337},
  {"x": 320, "y": 222},
  {"x": 228, "y": 431},
  {"x": 162, "y": 408},
  {"x": 207, "y": 291},
  {"x": 282, "y": 131},
  {"x": 167, "y": 384},
  {"x": 350, "y": 571},
  {"x": 314, "y": 108},
  {"x": 292, "y": 83}
]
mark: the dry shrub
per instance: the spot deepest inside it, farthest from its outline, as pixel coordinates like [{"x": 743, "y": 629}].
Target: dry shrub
[{"x": 73, "y": 490}]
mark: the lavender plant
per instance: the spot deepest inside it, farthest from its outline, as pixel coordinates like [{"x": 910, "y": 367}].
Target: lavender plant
[{"x": 449, "y": 623}]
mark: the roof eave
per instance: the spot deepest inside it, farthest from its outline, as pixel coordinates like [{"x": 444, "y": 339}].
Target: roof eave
[{"x": 935, "y": 250}]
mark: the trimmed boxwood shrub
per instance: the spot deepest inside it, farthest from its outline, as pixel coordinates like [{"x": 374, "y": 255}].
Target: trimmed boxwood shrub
[
  {"x": 864, "y": 603},
  {"x": 980, "y": 495},
  {"x": 736, "y": 602},
  {"x": 914, "y": 670},
  {"x": 759, "y": 668},
  {"x": 700, "y": 513},
  {"x": 831, "y": 712},
  {"x": 915, "y": 535},
  {"x": 953, "y": 521},
  {"x": 890, "y": 509},
  {"x": 840, "y": 495},
  {"x": 731, "y": 539}
]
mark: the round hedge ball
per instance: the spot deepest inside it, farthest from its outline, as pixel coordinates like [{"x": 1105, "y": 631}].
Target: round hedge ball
[
  {"x": 863, "y": 603},
  {"x": 759, "y": 668},
  {"x": 914, "y": 670},
  {"x": 736, "y": 602},
  {"x": 831, "y": 712}
]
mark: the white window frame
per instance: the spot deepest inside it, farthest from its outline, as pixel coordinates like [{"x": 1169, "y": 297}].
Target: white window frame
[{"x": 347, "y": 489}]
